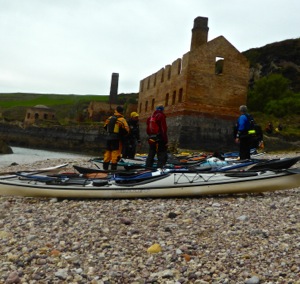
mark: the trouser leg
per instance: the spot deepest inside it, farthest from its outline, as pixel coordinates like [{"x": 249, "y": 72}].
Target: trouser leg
[
  {"x": 107, "y": 156},
  {"x": 115, "y": 154},
  {"x": 244, "y": 148},
  {"x": 162, "y": 155},
  {"x": 151, "y": 155}
]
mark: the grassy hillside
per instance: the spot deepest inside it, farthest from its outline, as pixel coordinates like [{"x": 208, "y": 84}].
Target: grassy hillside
[
  {"x": 13, "y": 105},
  {"x": 50, "y": 100}
]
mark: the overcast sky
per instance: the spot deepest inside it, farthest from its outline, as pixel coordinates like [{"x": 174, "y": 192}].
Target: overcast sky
[{"x": 73, "y": 46}]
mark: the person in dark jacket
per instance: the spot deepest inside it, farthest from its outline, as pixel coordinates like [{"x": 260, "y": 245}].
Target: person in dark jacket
[
  {"x": 116, "y": 127},
  {"x": 132, "y": 140},
  {"x": 242, "y": 137},
  {"x": 157, "y": 139}
]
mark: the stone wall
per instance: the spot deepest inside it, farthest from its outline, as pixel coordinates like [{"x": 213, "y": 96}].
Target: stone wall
[
  {"x": 197, "y": 133},
  {"x": 85, "y": 139}
]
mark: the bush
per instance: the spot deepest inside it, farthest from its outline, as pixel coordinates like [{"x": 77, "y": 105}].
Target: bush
[{"x": 272, "y": 95}]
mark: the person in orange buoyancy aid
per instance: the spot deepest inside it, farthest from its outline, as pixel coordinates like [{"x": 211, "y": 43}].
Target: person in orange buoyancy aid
[
  {"x": 157, "y": 138},
  {"x": 116, "y": 127}
]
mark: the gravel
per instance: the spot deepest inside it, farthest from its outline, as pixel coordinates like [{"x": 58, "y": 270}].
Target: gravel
[{"x": 250, "y": 238}]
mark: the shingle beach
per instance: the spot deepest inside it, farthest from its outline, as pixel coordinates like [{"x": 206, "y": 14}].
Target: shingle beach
[{"x": 250, "y": 238}]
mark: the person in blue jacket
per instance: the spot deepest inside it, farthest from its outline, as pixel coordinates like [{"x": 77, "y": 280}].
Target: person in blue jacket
[{"x": 242, "y": 137}]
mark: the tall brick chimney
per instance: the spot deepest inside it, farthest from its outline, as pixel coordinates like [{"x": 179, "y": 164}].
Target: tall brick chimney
[
  {"x": 199, "y": 32},
  {"x": 113, "y": 95}
]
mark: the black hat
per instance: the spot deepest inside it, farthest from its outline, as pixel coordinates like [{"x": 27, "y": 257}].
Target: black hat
[{"x": 119, "y": 109}]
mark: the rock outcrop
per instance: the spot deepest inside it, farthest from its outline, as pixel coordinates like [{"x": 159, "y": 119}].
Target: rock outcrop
[{"x": 4, "y": 148}]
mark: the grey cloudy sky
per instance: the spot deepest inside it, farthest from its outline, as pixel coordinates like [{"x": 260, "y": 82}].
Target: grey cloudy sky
[{"x": 73, "y": 46}]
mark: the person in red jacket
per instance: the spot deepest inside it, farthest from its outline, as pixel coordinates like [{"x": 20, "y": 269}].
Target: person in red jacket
[{"x": 157, "y": 138}]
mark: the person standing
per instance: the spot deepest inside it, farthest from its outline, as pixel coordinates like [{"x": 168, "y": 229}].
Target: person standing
[
  {"x": 132, "y": 140},
  {"x": 117, "y": 128},
  {"x": 157, "y": 138},
  {"x": 242, "y": 136}
]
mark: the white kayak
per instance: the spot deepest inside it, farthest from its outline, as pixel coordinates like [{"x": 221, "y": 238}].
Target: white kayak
[{"x": 152, "y": 184}]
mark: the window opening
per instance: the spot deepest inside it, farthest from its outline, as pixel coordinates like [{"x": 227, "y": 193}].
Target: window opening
[
  {"x": 167, "y": 99},
  {"x": 219, "y": 64},
  {"x": 146, "y": 106},
  {"x": 174, "y": 98},
  {"x": 180, "y": 95}
]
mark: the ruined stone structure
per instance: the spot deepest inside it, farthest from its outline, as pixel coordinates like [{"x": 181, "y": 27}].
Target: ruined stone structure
[
  {"x": 113, "y": 95},
  {"x": 99, "y": 111},
  {"x": 39, "y": 113},
  {"x": 201, "y": 92}
]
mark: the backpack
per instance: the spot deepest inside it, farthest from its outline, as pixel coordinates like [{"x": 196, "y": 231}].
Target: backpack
[
  {"x": 251, "y": 122},
  {"x": 152, "y": 127},
  {"x": 112, "y": 129},
  {"x": 111, "y": 126},
  {"x": 255, "y": 131}
]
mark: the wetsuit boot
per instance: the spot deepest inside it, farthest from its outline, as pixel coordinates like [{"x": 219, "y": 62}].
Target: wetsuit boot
[{"x": 105, "y": 165}]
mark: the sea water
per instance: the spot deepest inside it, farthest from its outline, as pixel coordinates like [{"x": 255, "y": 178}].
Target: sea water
[{"x": 28, "y": 156}]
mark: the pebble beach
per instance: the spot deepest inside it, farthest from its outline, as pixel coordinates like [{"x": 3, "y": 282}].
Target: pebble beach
[{"x": 249, "y": 238}]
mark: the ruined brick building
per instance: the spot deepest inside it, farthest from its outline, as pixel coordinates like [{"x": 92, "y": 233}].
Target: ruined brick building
[
  {"x": 39, "y": 113},
  {"x": 201, "y": 92}
]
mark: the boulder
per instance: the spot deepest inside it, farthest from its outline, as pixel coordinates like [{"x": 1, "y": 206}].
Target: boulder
[{"x": 4, "y": 148}]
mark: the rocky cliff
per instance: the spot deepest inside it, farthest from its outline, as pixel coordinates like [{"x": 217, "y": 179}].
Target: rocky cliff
[{"x": 279, "y": 57}]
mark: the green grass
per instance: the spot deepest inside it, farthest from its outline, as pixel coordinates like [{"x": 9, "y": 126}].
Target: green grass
[{"x": 50, "y": 100}]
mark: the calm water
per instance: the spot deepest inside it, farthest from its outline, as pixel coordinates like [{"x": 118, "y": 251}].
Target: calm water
[{"x": 26, "y": 156}]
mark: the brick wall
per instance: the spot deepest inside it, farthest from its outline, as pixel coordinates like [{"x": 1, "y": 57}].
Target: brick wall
[{"x": 201, "y": 91}]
